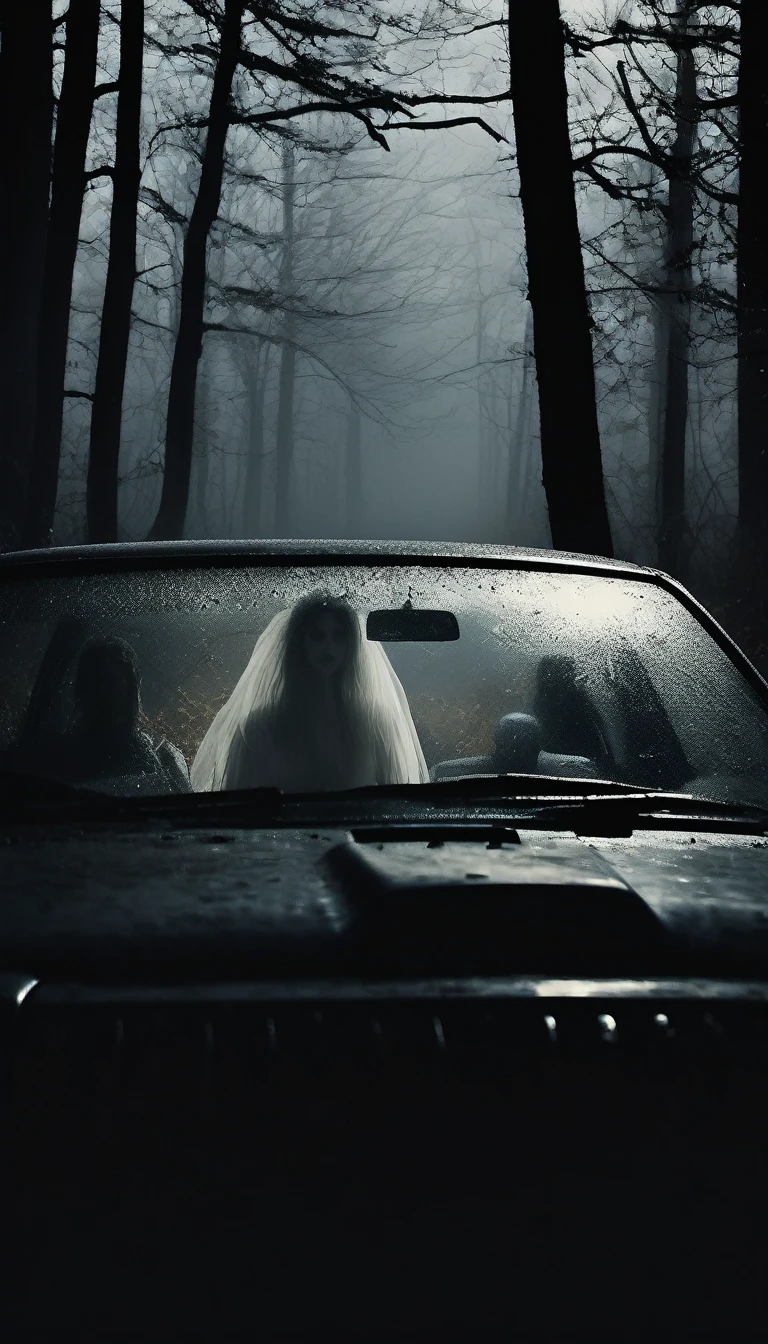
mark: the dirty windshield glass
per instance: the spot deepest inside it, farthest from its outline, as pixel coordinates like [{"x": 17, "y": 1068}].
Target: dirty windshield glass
[
  {"x": 157, "y": 682},
  {"x": 466, "y": 272}
]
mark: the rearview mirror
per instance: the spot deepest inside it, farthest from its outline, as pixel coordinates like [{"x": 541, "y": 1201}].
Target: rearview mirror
[{"x": 411, "y": 623}]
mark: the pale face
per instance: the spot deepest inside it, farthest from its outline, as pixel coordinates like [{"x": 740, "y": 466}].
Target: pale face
[{"x": 325, "y": 644}]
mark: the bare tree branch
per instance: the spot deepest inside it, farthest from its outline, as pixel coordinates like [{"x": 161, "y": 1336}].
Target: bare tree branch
[{"x": 445, "y": 125}]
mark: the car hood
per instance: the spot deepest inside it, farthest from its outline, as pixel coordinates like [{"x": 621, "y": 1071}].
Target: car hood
[{"x": 115, "y": 903}]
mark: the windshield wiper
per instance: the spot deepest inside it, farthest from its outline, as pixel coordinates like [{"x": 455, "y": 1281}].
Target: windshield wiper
[
  {"x": 608, "y": 806},
  {"x": 585, "y": 806}
]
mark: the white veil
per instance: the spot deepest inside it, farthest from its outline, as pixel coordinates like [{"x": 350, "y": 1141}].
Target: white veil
[
  {"x": 401, "y": 759},
  {"x": 241, "y": 731}
]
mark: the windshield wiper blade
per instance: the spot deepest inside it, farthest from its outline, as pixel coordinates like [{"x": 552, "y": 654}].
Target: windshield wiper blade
[{"x": 585, "y": 806}]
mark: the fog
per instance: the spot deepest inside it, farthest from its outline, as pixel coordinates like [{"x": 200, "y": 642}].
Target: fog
[
  {"x": 409, "y": 311},
  {"x": 366, "y": 363}
]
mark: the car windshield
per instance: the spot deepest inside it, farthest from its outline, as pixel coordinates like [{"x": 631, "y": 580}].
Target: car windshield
[{"x": 155, "y": 681}]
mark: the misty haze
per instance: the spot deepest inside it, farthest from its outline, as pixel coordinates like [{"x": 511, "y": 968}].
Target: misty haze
[{"x": 277, "y": 284}]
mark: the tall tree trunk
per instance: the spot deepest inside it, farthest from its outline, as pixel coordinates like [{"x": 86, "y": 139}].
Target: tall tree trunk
[
  {"x": 73, "y": 123},
  {"x": 679, "y": 281},
  {"x": 752, "y": 284},
  {"x": 106, "y": 414},
  {"x": 353, "y": 483},
  {"x": 287, "y": 355},
  {"x": 570, "y": 440},
  {"x": 26, "y": 122},
  {"x": 256, "y": 382},
  {"x": 169, "y": 523}
]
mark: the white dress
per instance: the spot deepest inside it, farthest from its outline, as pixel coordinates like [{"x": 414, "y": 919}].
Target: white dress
[{"x": 241, "y": 748}]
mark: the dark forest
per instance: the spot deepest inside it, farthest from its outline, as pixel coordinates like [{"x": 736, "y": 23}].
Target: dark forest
[{"x": 371, "y": 269}]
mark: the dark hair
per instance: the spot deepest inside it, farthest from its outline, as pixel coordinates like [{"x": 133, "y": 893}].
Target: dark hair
[
  {"x": 300, "y": 621},
  {"x": 294, "y": 707}
]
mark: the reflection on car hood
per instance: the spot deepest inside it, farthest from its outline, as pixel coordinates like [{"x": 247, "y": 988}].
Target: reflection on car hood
[{"x": 199, "y": 903}]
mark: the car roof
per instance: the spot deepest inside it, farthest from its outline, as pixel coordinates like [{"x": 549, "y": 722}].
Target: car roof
[{"x": 146, "y": 553}]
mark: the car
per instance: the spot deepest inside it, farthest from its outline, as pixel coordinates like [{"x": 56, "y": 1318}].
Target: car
[{"x": 476, "y": 1050}]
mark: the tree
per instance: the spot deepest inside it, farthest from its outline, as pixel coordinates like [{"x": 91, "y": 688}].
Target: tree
[
  {"x": 287, "y": 68},
  {"x": 169, "y": 522},
  {"x": 752, "y": 282},
  {"x": 313, "y": 58},
  {"x": 287, "y": 349},
  {"x": 519, "y": 445},
  {"x": 308, "y": 284},
  {"x": 26, "y": 118},
  {"x": 106, "y": 414},
  {"x": 73, "y": 122},
  {"x": 679, "y": 279},
  {"x": 655, "y": 121},
  {"x": 562, "y": 342}
]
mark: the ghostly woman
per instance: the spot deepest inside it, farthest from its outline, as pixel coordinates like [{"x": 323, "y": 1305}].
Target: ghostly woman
[{"x": 318, "y": 707}]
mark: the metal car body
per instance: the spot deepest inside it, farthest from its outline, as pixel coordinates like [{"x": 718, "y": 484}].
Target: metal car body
[{"x": 484, "y": 1058}]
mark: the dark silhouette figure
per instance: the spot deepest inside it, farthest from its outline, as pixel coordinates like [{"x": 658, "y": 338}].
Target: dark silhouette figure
[
  {"x": 566, "y": 711},
  {"x": 516, "y": 748},
  {"x": 617, "y": 720},
  {"x": 561, "y": 738},
  {"x": 106, "y": 740},
  {"x": 517, "y": 743}
]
